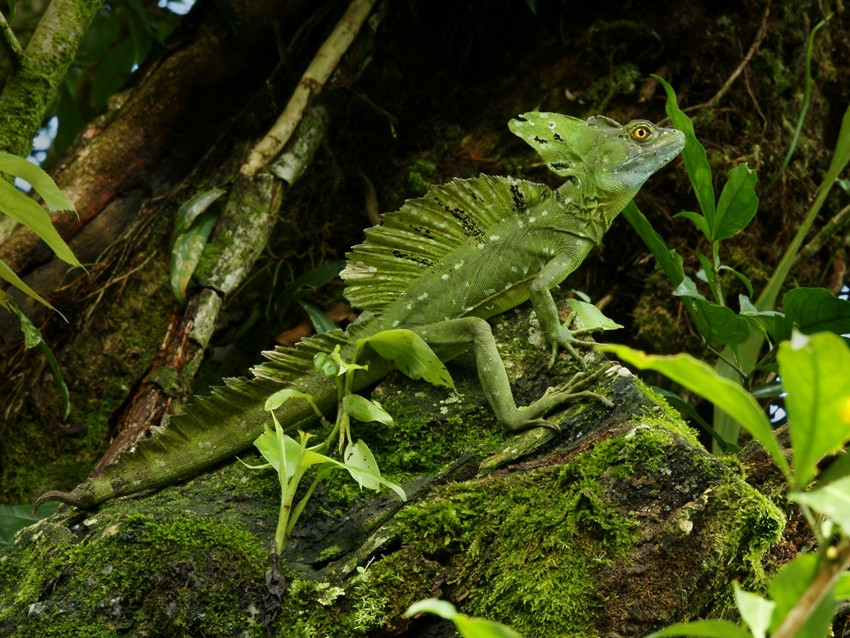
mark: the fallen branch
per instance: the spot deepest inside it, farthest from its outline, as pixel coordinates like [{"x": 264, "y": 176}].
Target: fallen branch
[{"x": 311, "y": 83}]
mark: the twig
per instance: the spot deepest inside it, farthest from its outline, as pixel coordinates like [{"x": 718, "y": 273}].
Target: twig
[
  {"x": 753, "y": 48},
  {"x": 832, "y": 227},
  {"x": 10, "y": 42},
  {"x": 311, "y": 83},
  {"x": 825, "y": 579}
]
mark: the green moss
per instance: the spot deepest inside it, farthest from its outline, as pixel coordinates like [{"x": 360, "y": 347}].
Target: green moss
[{"x": 145, "y": 571}]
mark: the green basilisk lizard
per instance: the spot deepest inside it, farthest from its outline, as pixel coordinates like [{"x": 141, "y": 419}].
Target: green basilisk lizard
[{"x": 440, "y": 266}]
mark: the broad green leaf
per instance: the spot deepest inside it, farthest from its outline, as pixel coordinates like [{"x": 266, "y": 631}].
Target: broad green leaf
[
  {"x": 816, "y": 310},
  {"x": 411, "y": 355},
  {"x": 16, "y": 517},
  {"x": 9, "y": 275},
  {"x": 814, "y": 373},
  {"x": 716, "y": 324},
  {"x": 281, "y": 396},
  {"x": 755, "y": 610},
  {"x": 741, "y": 276},
  {"x": 28, "y": 212},
  {"x": 707, "y": 271},
  {"x": 701, "y": 379},
  {"x": 837, "y": 469},
  {"x": 787, "y": 589},
  {"x": 698, "y": 220},
  {"x": 704, "y": 628},
  {"x": 669, "y": 261},
  {"x": 696, "y": 161},
  {"x": 187, "y": 250},
  {"x": 361, "y": 464},
  {"x": 289, "y": 450},
  {"x": 40, "y": 181},
  {"x": 773, "y": 322},
  {"x": 191, "y": 209},
  {"x": 687, "y": 288},
  {"x": 591, "y": 317},
  {"x": 737, "y": 205},
  {"x": 363, "y": 468},
  {"x": 365, "y": 410},
  {"x": 469, "y": 627},
  {"x": 321, "y": 322},
  {"x": 832, "y": 500}
]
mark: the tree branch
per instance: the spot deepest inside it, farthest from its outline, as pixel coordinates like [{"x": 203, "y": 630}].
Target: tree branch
[
  {"x": 10, "y": 42},
  {"x": 326, "y": 60},
  {"x": 41, "y": 69}
]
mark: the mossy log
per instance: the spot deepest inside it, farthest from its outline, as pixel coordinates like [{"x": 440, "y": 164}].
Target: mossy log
[{"x": 615, "y": 527}]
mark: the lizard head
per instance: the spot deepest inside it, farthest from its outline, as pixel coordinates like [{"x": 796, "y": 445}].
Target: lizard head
[{"x": 602, "y": 158}]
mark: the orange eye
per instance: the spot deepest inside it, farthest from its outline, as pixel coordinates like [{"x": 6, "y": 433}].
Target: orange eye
[{"x": 640, "y": 133}]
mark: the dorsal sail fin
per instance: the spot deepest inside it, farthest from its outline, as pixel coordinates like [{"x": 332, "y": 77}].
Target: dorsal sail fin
[{"x": 415, "y": 238}]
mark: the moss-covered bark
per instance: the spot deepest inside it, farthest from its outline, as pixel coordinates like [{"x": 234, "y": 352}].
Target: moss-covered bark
[
  {"x": 35, "y": 79},
  {"x": 615, "y": 527}
]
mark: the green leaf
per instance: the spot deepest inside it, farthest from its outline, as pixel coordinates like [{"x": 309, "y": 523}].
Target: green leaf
[
  {"x": 468, "y": 626},
  {"x": 591, "y": 317},
  {"x": 190, "y": 210},
  {"x": 707, "y": 270},
  {"x": 816, "y": 310},
  {"x": 755, "y": 610},
  {"x": 696, "y": 161},
  {"x": 669, "y": 261},
  {"x": 32, "y": 338},
  {"x": 842, "y": 587},
  {"x": 363, "y": 468},
  {"x": 289, "y": 451},
  {"x": 814, "y": 374},
  {"x": 787, "y": 589},
  {"x": 681, "y": 405},
  {"x": 281, "y": 396},
  {"x": 187, "y": 250},
  {"x": 701, "y": 379},
  {"x": 718, "y": 324},
  {"x": 321, "y": 322},
  {"x": 744, "y": 279},
  {"x": 365, "y": 410},
  {"x": 832, "y": 500},
  {"x": 40, "y": 181},
  {"x": 738, "y": 203},
  {"x": 706, "y": 628},
  {"x": 687, "y": 288},
  {"x": 26, "y": 211},
  {"x": 344, "y": 366},
  {"x": 16, "y": 517},
  {"x": 698, "y": 220},
  {"x": 411, "y": 355},
  {"x": 9, "y": 275}
]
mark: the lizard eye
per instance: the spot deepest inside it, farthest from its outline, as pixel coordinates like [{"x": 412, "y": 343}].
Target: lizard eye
[{"x": 641, "y": 133}]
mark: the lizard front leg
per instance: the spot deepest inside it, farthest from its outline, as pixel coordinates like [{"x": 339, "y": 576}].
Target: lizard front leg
[
  {"x": 556, "y": 333},
  {"x": 449, "y": 338}
]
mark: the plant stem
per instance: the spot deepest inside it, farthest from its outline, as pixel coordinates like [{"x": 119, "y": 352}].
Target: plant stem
[{"x": 829, "y": 570}]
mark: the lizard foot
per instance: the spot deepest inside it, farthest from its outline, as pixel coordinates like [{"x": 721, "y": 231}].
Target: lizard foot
[{"x": 531, "y": 416}]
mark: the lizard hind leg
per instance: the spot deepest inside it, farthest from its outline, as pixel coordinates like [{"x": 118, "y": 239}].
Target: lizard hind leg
[{"x": 454, "y": 336}]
